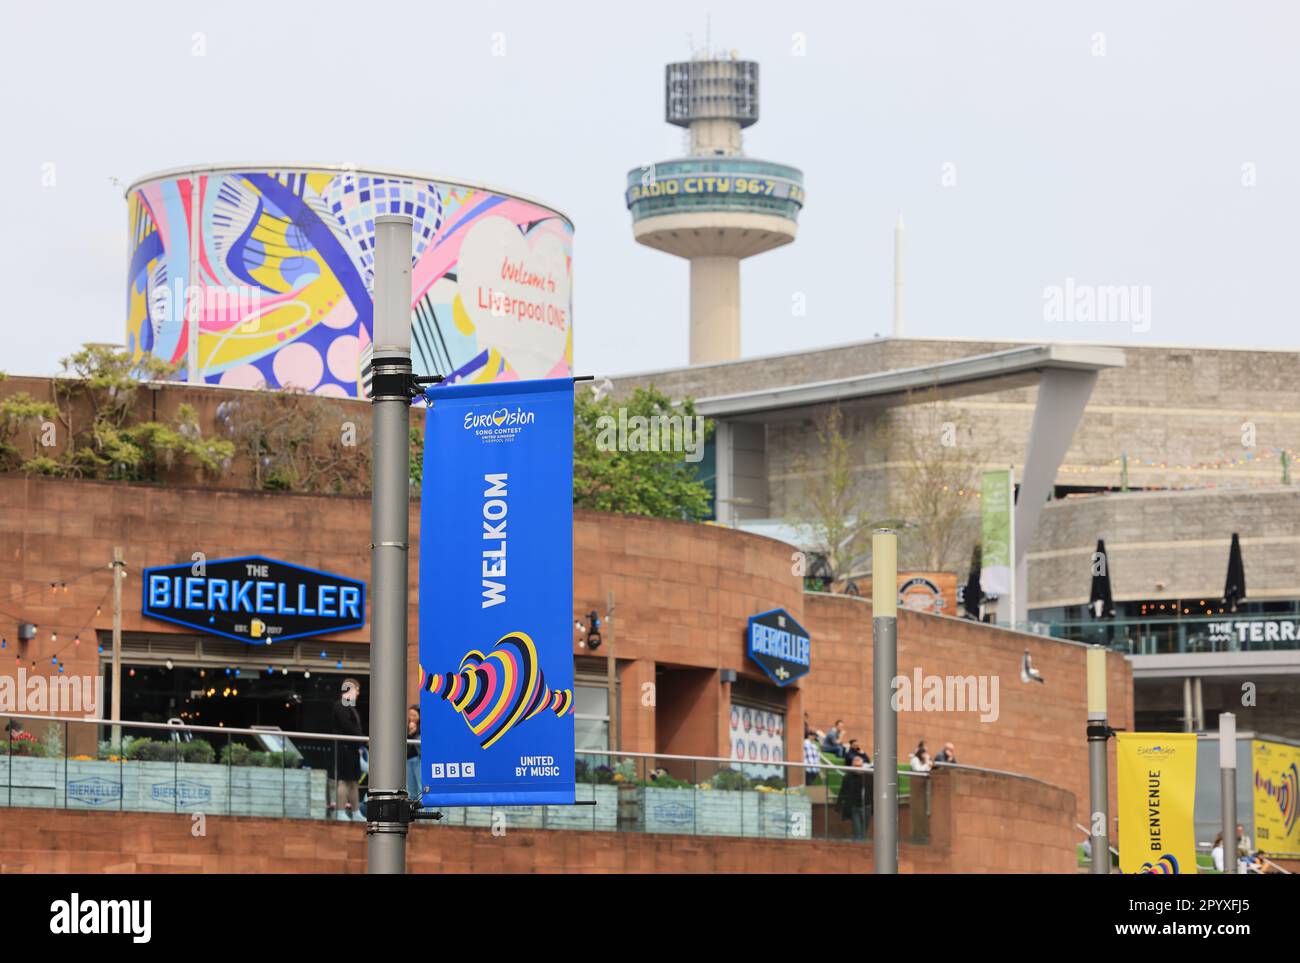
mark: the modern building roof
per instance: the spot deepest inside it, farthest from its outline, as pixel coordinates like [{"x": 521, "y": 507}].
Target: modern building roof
[{"x": 983, "y": 371}]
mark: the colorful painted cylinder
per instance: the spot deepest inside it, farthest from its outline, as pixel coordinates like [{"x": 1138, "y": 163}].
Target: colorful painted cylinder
[{"x": 251, "y": 276}]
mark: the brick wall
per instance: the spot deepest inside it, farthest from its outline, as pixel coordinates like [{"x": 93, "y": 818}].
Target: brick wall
[
  {"x": 979, "y": 823},
  {"x": 1039, "y": 730}
]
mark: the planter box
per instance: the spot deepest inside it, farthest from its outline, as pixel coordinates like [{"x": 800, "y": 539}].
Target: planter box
[
  {"x": 719, "y": 812},
  {"x": 602, "y": 816},
  {"x": 162, "y": 787}
]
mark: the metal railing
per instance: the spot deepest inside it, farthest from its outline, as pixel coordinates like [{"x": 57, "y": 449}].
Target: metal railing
[
  {"x": 88, "y": 764},
  {"x": 1184, "y": 634}
]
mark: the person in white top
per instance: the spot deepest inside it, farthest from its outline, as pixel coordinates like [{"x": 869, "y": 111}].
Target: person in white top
[{"x": 921, "y": 761}]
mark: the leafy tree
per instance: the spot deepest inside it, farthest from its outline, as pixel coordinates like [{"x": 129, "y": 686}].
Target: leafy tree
[
  {"x": 96, "y": 404},
  {"x": 107, "y": 379},
  {"x": 416, "y": 457},
  {"x": 293, "y": 441},
  {"x": 621, "y": 463},
  {"x": 939, "y": 462},
  {"x": 833, "y": 505},
  {"x": 18, "y": 412}
]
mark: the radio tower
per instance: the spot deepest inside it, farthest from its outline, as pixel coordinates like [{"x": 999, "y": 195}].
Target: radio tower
[{"x": 714, "y": 206}]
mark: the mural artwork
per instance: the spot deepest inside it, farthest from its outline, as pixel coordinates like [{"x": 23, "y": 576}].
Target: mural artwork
[{"x": 278, "y": 278}]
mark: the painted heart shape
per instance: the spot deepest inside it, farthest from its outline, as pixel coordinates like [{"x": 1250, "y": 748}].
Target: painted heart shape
[
  {"x": 516, "y": 292},
  {"x": 493, "y": 693},
  {"x": 499, "y": 416}
]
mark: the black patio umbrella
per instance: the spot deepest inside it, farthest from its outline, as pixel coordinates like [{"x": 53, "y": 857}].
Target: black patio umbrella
[
  {"x": 1234, "y": 589},
  {"x": 972, "y": 596},
  {"x": 1100, "y": 601}
]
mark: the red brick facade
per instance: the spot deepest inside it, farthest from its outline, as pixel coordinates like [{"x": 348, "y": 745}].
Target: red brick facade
[
  {"x": 683, "y": 595},
  {"x": 979, "y": 823}
]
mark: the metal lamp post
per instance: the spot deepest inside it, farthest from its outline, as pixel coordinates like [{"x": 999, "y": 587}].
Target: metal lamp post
[
  {"x": 1098, "y": 735},
  {"x": 884, "y": 667},
  {"x": 391, "y": 385},
  {"x": 1228, "y": 789}
]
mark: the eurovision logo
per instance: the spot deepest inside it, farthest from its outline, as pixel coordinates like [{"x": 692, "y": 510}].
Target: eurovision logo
[
  {"x": 1166, "y": 865},
  {"x": 1284, "y": 792},
  {"x": 493, "y": 693},
  {"x": 254, "y": 599},
  {"x": 494, "y": 425}
]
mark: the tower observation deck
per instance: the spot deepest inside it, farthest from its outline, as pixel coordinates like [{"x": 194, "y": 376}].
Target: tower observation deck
[{"x": 714, "y": 206}]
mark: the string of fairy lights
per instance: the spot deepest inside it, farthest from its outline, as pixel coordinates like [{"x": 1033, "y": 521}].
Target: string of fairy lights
[
  {"x": 1274, "y": 459},
  {"x": 57, "y": 587},
  {"x": 63, "y": 587}
]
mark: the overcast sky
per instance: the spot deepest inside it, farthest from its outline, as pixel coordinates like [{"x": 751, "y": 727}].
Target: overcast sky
[{"x": 1151, "y": 144}]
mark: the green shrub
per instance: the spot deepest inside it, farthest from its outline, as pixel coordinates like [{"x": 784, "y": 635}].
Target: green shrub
[
  {"x": 235, "y": 754},
  {"x": 200, "y": 750},
  {"x": 152, "y": 750},
  {"x": 729, "y": 779}
]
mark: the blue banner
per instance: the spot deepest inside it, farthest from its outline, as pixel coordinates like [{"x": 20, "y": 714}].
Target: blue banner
[{"x": 496, "y": 594}]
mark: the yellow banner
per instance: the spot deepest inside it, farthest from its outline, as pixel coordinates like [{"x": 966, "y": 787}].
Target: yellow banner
[
  {"x": 1157, "y": 796},
  {"x": 1277, "y": 797}
]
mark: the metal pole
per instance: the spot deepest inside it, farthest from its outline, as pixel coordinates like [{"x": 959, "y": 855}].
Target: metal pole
[
  {"x": 389, "y": 526},
  {"x": 1228, "y": 789},
  {"x": 115, "y": 711},
  {"x": 1098, "y": 736},
  {"x": 884, "y": 667},
  {"x": 611, "y": 672}
]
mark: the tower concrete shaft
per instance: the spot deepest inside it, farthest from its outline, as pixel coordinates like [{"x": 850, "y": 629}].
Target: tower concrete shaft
[
  {"x": 715, "y": 309},
  {"x": 715, "y": 206}
]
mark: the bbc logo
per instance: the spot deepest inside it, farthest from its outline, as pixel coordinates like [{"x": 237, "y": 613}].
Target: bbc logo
[{"x": 453, "y": 770}]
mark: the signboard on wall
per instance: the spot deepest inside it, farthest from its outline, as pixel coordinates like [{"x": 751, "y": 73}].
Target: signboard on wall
[
  {"x": 253, "y": 599},
  {"x": 779, "y": 645},
  {"x": 1157, "y": 799},
  {"x": 758, "y": 740},
  {"x": 1244, "y": 634},
  {"x": 997, "y": 531},
  {"x": 933, "y": 592},
  {"x": 496, "y": 595},
  {"x": 1276, "y": 778}
]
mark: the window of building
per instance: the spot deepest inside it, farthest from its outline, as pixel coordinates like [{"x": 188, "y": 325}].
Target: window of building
[{"x": 590, "y": 716}]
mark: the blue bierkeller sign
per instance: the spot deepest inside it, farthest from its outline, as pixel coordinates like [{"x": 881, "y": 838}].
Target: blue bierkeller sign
[
  {"x": 496, "y": 595},
  {"x": 253, "y": 599},
  {"x": 779, "y": 645}
]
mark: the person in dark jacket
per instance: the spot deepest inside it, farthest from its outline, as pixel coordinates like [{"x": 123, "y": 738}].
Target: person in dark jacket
[
  {"x": 413, "y": 752},
  {"x": 855, "y": 797},
  {"x": 347, "y": 722}
]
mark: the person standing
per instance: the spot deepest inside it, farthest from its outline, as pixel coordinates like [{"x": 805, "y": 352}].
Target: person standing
[
  {"x": 812, "y": 757},
  {"x": 347, "y": 722},
  {"x": 413, "y": 787},
  {"x": 853, "y": 801}
]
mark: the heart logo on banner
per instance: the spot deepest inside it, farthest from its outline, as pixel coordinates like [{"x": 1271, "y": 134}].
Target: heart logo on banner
[
  {"x": 517, "y": 294},
  {"x": 495, "y": 692},
  {"x": 499, "y": 416}
]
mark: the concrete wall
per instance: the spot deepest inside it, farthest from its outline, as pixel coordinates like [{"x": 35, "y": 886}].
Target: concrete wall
[
  {"x": 1180, "y": 539},
  {"x": 1181, "y": 415},
  {"x": 1177, "y": 407}
]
